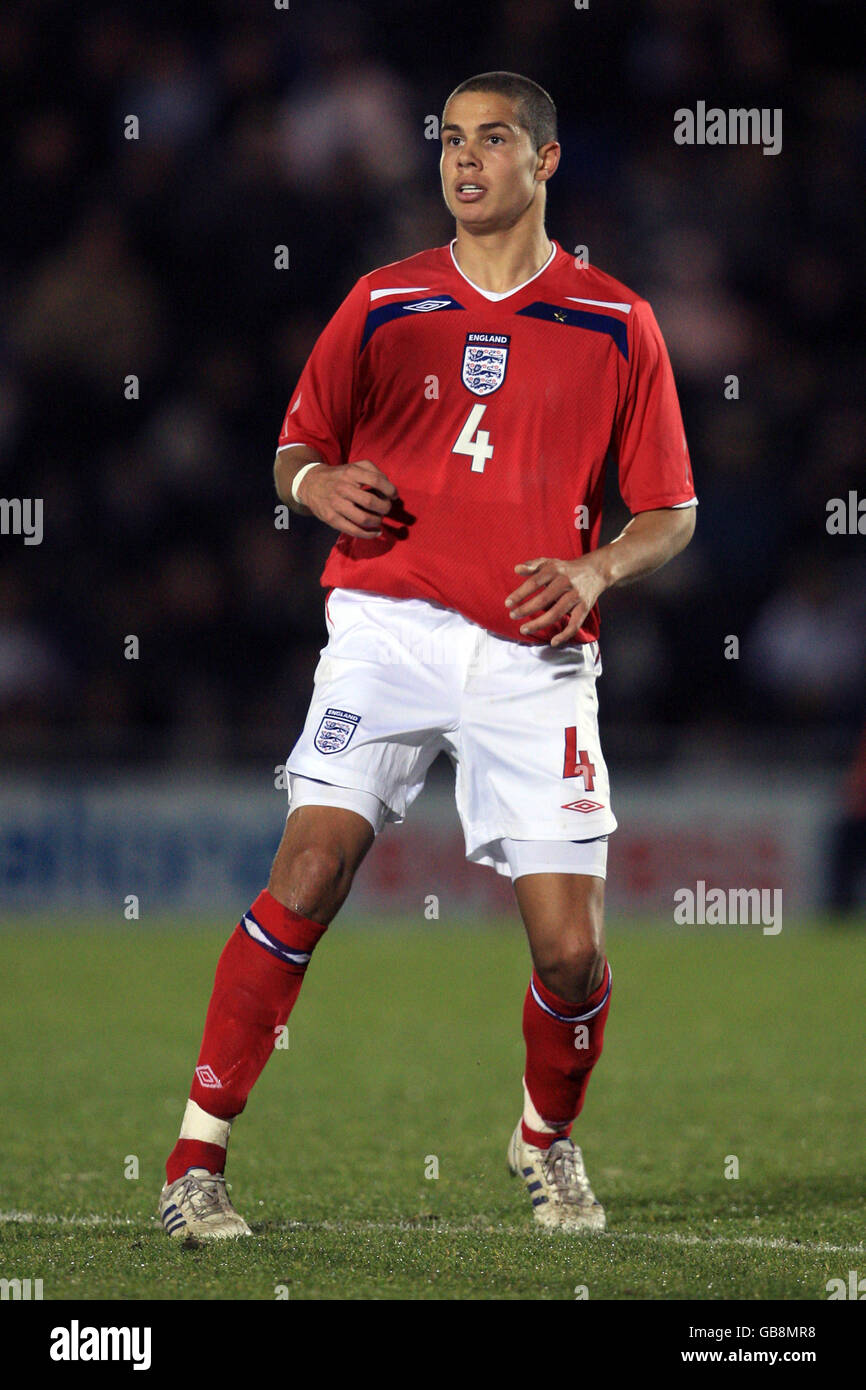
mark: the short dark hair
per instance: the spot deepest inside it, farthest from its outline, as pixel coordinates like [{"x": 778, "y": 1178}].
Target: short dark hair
[{"x": 533, "y": 106}]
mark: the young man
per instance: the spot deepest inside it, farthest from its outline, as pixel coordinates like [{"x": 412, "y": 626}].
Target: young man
[{"x": 452, "y": 425}]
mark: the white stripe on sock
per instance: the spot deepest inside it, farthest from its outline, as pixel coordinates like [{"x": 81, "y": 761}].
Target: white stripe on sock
[{"x": 207, "y": 1129}]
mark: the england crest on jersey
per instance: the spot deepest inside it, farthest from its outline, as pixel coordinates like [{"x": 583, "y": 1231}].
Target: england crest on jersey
[
  {"x": 335, "y": 730},
  {"x": 485, "y": 358}
]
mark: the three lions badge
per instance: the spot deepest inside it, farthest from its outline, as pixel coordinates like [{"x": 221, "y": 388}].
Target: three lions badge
[
  {"x": 335, "y": 730},
  {"x": 485, "y": 358}
]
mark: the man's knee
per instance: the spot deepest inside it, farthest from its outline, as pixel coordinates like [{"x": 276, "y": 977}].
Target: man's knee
[
  {"x": 571, "y": 966},
  {"x": 316, "y": 861},
  {"x": 306, "y": 879}
]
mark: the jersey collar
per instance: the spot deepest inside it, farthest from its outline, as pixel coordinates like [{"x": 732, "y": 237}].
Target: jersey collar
[{"x": 493, "y": 296}]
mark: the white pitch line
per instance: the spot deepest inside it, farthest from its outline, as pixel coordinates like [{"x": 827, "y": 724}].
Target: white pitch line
[
  {"x": 758, "y": 1242},
  {"x": 815, "y": 1247},
  {"x": 663, "y": 1237},
  {"x": 38, "y": 1218}
]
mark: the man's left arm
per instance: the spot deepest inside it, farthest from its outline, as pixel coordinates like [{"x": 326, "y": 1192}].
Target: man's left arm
[
  {"x": 655, "y": 481},
  {"x": 570, "y": 588}
]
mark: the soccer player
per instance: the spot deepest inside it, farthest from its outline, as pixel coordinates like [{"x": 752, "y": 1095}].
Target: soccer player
[{"x": 452, "y": 424}]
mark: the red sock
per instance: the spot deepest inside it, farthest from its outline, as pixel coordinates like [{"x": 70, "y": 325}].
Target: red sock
[
  {"x": 258, "y": 978},
  {"x": 563, "y": 1044}
]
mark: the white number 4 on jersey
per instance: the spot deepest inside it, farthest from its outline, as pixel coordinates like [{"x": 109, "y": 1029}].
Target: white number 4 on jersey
[{"x": 479, "y": 449}]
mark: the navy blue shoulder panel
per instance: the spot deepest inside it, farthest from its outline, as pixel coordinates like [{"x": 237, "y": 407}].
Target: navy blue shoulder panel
[
  {"x": 580, "y": 318},
  {"x": 417, "y": 307}
]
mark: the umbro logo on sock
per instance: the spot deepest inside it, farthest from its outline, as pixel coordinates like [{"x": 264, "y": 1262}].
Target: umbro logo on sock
[{"x": 206, "y": 1076}]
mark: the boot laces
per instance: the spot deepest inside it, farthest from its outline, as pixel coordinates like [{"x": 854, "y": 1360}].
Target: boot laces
[
  {"x": 206, "y": 1195},
  {"x": 565, "y": 1171}
]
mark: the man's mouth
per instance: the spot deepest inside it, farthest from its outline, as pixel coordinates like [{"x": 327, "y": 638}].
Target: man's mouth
[{"x": 469, "y": 192}]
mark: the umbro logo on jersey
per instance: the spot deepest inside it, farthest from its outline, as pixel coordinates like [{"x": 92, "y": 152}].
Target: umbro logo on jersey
[
  {"x": 584, "y": 806},
  {"x": 391, "y": 313},
  {"x": 424, "y": 306},
  {"x": 206, "y": 1076}
]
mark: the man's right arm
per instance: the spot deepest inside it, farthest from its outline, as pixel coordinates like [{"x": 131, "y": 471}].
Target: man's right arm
[
  {"x": 287, "y": 465},
  {"x": 344, "y": 496}
]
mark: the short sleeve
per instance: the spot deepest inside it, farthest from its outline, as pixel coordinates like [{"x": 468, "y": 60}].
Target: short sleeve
[
  {"x": 649, "y": 439},
  {"x": 323, "y": 408}
]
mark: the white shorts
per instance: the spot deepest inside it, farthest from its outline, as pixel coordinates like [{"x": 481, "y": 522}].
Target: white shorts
[{"x": 402, "y": 680}]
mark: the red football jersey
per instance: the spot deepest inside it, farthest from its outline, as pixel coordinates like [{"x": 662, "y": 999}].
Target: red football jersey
[{"x": 493, "y": 417}]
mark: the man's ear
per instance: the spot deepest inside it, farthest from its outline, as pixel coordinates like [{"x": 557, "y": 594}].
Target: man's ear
[{"x": 548, "y": 160}]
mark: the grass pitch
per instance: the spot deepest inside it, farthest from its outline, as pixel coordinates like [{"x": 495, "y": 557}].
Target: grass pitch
[{"x": 726, "y": 1051}]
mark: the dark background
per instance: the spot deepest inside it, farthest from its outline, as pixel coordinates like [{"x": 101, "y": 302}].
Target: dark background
[{"x": 261, "y": 127}]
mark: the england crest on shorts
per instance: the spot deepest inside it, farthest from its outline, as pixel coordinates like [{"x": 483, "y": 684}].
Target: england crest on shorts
[
  {"x": 485, "y": 358},
  {"x": 335, "y": 730}
]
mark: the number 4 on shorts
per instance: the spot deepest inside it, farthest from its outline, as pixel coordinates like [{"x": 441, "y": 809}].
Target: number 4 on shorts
[
  {"x": 577, "y": 763},
  {"x": 479, "y": 449}
]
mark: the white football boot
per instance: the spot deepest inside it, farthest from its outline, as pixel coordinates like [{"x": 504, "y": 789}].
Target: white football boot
[
  {"x": 556, "y": 1180},
  {"x": 198, "y": 1205}
]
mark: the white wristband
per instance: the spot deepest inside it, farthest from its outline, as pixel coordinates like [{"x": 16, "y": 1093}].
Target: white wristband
[{"x": 299, "y": 476}]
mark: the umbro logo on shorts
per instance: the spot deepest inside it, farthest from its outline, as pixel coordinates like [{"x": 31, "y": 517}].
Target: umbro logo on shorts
[
  {"x": 584, "y": 806},
  {"x": 335, "y": 730}
]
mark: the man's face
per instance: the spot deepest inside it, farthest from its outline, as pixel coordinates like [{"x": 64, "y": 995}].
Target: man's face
[{"x": 490, "y": 170}]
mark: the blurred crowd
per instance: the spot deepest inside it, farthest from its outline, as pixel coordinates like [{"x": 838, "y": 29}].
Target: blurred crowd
[{"x": 153, "y": 258}]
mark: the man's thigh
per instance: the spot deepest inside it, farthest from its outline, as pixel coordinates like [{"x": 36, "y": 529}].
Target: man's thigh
[{"x": 563, "y": 913}]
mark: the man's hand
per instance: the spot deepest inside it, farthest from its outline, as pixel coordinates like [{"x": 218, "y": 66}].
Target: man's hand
[
  {"x": 565, "y": 588},
  {"x": 344, "y": 496},
  {"x": 347, "y": 497},
  {"x": 568, "y": 589}
]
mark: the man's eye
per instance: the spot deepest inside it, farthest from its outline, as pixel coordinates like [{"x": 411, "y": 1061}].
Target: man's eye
[{"x": 496, "y": 137}]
